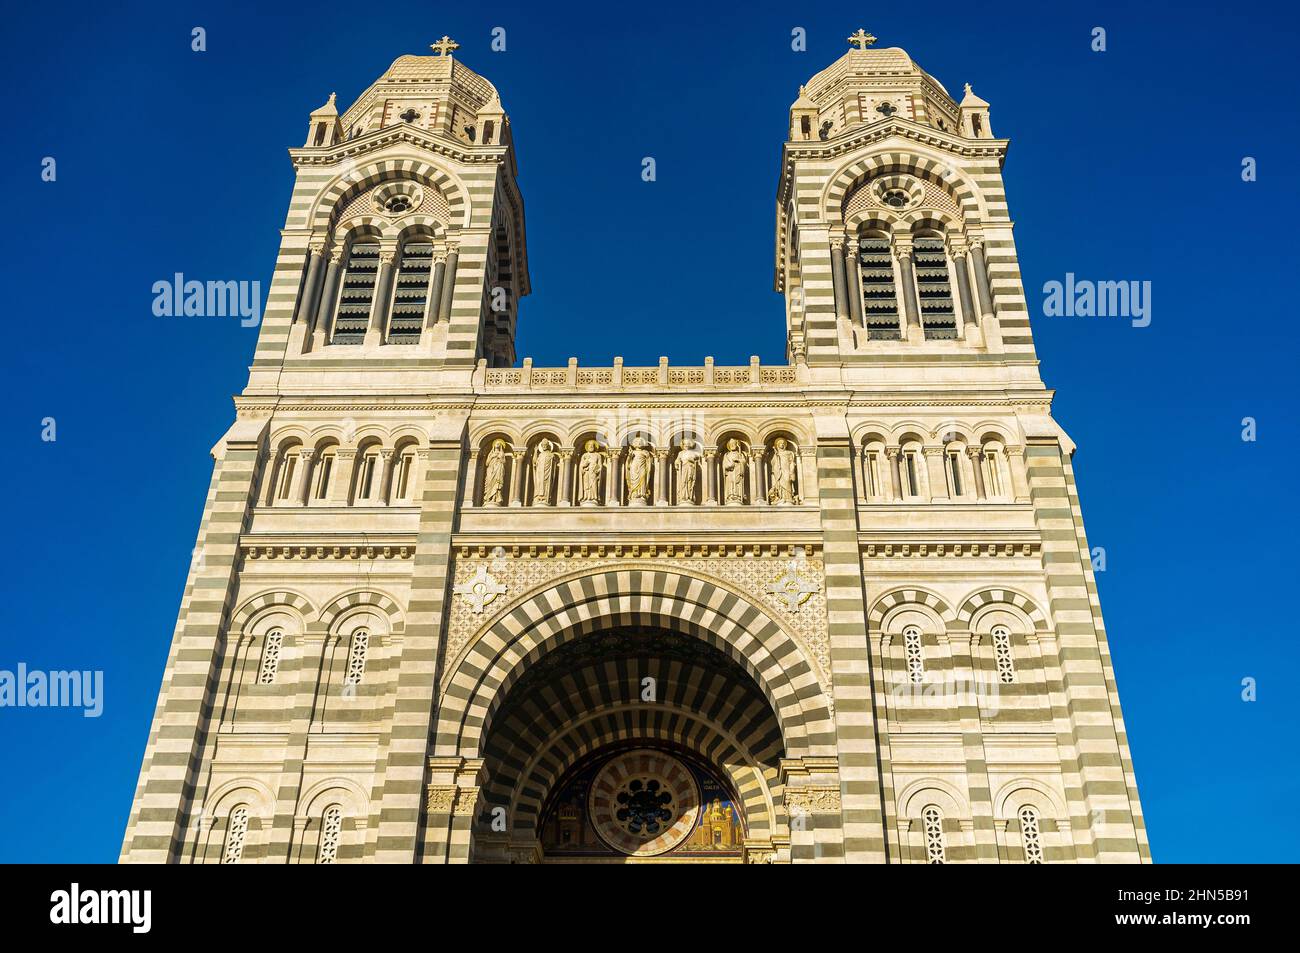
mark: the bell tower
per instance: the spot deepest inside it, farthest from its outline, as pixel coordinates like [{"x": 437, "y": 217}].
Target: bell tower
[
  {"x": 404, "y": 248},
  {"x": 892, "y": 239}
]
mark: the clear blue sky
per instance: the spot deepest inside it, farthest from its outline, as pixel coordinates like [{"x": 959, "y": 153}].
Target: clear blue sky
[{"x": 1123, "y": 165}]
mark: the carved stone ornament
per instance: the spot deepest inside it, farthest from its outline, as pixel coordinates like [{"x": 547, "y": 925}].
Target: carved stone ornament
[
  {"x": 813, "y": 799},
  {"x": 440, "y": 798},
  {"x": 792, "y": 589},
  {"x": 480, "y": 589}
]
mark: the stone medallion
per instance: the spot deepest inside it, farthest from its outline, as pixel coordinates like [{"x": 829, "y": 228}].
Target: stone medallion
[{"x": 644, "y": 802}]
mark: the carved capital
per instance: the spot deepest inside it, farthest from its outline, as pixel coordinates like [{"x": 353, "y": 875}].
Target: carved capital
[{"x": 440, "y": 798}]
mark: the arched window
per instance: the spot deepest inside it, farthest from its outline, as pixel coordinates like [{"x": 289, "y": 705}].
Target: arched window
[
  {"x": 933, "y": 291},
  {"x": 952, "y": 454},
  {"x": 331, "y": 831},
  {"x": 932, "y": 819},
  {"x": 875, "y": 475},
  {"x": 357, "y": 657},
  {"x": 321, "y": 479},
  {"x": 994, "y": 470},
  {"x": 403, "y": 476},
  {"x": 286, "y": 475},
  {"x": 879, "y": 294},
  {"x": 411, "y": 292},
  {"x": 1002, "y": 654},
  {"x": 915, "y": 654},
  {"x": 1030, "y": 836},
  {"x": 270, "y": 657},
  {"x": 357, "y": 294},
  {"x": 909, "y": 470},
  {"x": 369, "y": 475},
  {"x": 236, "y": 833}
]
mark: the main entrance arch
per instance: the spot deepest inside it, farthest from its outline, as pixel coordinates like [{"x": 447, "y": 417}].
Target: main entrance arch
[{"x": 598, "y": 664}]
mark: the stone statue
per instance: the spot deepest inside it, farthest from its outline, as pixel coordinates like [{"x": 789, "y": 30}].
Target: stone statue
[
  {"x": 543, "y": 472},
  {"x": 636, "y": 472},
  {"x": 784, "y": 467},
  {"x": 589, "y": 469},
  {"x": 494, "y": 475},
  {"x": 733, "y": 472},
  {"x": 687, "y": 467}
]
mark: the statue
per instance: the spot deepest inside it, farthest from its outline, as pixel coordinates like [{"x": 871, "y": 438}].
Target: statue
[
  {"x": 784, "y": 467},
  {"x": 590, "y": 466},
  {"x": 494, "y": 476},
  {"x": 636, "y": 472},
  {"x": 733, "y": 472},
  {"x": 687, "y": 468},
  {"x": 543, "y": 472}
]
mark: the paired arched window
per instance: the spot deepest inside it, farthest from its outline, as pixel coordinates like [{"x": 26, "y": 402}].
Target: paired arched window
[
  {"x": 357, "y": 293},
  {"x": 1030, "y": 836},
  {"x": 914, "y": 653},
  {"x": 232, "y": 852},
  {"x": 285, "y": 474},
  {"x": 932, "y": 823},
  {"x": 411, "y": 292},
  {"x": 331, "y": 832}
]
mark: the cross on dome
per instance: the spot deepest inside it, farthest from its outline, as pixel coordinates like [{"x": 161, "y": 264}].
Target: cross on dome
[
  {"x": 862, "y": 39},
  {"x": 444, "y": 46}
]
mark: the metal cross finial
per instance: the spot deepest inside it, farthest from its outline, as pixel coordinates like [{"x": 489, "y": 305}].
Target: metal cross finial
[
  {"x": 862, "y": 38},
  {"x": 444, "y": 46}
]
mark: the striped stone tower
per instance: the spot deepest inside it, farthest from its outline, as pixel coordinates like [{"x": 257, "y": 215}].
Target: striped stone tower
[{"x": 447, "y": 608}]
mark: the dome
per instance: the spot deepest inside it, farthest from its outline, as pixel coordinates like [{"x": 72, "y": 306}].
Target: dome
[{"x": 868, "y": 85}]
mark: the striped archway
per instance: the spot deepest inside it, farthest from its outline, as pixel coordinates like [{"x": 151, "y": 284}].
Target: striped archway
[{"x": 651, "y": 597}]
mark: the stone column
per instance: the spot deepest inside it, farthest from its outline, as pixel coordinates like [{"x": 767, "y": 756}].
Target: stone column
[
  {"x": 305, "y": 457},
  {"x": 614, "y": 482},
  {"x": 325, "y": 308},
  {"x": 661, "y": 477},
  {"x": 448, "y": 286},
  {"x": 976, "y": 456},
  {"x": 1019, "y": 479},
  {"x": 837, "y": 276},
  {"x": 911, "y": 310},
  {"x": 958, "y": 254},
  {"x": 311, "y": 285},
  {"x": 711, "y": 477},
  {"x": 517, "y": 478},
  {"x": 471, "y": 479},
  {"x": 757, "y": 476},
  {"x": 854, "y": 281},
  {"x": 982, "y": 288},
  {"x": 435, "y": 288},
  {"x": 893, "y": 462},
  {"x": 346, "y": 461},
  {"x": 935, "y": 459},
  {"x": 383, "y": 295},
  {"x": 565, "y": 497},
  {"x": 381, "y": 493}
]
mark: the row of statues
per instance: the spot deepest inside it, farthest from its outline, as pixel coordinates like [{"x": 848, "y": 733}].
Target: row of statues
[{"x": 638, "y": 472}]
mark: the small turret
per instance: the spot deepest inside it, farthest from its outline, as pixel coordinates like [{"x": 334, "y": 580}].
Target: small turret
[
  {"x": 324, "y": 128},
  {"x": 974, "y": 116}
]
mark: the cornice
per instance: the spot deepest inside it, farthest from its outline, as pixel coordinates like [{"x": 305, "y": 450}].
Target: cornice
[{"x": 378, "y": 139}]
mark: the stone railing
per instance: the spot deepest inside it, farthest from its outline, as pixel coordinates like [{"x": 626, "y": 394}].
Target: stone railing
[{"x": 620, "y": 377}]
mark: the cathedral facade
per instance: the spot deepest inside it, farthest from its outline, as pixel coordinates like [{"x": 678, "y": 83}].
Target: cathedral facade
[{"x": 447, "y": 606}]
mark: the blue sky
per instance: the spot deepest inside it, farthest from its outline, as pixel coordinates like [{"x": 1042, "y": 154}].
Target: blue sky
[{"x": 1123, "y": 165}]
